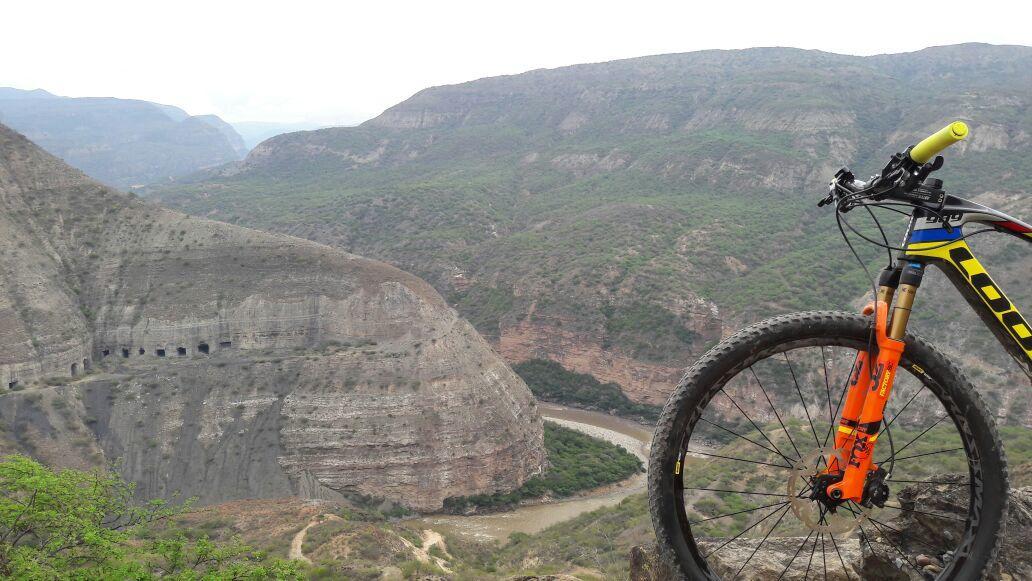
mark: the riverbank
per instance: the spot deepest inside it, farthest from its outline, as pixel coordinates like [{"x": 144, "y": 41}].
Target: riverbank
[{"x": 537, "y": 516}]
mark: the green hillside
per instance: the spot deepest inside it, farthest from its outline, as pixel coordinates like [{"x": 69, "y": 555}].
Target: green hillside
[{"x": 640, "y": 207}]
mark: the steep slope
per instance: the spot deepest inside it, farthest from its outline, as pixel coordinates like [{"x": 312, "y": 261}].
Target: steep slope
[
  {"x": 228, "y": 363},
  {"x": 619, "y": 217},
  {"x": 121, "y": 142}
]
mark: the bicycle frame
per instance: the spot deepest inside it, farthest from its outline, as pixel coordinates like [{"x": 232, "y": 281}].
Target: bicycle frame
[{"x": 928, "y": 241}]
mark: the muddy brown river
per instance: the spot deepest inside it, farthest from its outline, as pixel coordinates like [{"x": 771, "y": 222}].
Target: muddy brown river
[{"x": 536, "y": 517}]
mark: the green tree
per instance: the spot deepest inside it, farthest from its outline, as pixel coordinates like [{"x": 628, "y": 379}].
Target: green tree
[{"x": 74, "y": 524}]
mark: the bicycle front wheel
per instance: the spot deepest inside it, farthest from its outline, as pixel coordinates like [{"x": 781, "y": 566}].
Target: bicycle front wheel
[{"x": 743, "y": 439}]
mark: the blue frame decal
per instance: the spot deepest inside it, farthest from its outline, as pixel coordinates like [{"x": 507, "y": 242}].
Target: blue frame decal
[{"x": 935, "y": 235}]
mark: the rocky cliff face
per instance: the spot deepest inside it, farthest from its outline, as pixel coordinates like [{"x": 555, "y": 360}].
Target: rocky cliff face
[{"x": 228, "y": 363}]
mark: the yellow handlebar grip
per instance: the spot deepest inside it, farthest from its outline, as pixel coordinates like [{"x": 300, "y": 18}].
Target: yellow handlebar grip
[{"x": 923, "y": 152}]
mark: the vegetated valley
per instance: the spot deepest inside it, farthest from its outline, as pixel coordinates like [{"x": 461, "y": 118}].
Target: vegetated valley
[{"x": 620, "y": 218}]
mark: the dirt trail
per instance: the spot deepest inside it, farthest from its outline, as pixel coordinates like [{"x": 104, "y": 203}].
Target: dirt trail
[
  {"x": 431, "y": 539},
  {"x": 299, "y": 539}
]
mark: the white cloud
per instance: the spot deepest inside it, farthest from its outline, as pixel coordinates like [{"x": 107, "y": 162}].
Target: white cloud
[{"x": 347, "y": 61}]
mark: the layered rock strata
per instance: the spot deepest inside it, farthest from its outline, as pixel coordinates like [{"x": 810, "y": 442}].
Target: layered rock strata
[{"x": 224, "y": 363}]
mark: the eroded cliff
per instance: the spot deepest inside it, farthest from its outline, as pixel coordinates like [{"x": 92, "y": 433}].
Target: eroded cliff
[{"x": 228, "y": 363}]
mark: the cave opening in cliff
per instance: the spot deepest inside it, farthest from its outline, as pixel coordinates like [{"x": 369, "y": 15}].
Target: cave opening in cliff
[
  {"x": 224, "y": 344},
  {"x": 105, "y": 353},
  {"x": 160, "y": 352},
  {"x": 181, "y": 351},
  {"x": 203, "y": 348},
  {"x": 125, "y": 353},
  {"x": 12, "y": 385},
  {"x": 143, "y": 351},
  {"x": 75, "y": 369},
  {"x": 85, "y": 365}
]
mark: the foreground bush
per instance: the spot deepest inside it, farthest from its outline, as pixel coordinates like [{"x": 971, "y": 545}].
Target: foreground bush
[{"x": 74, "y": 524}]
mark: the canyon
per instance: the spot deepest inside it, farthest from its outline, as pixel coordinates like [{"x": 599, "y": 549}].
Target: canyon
[{"x": 622, "y": 217}]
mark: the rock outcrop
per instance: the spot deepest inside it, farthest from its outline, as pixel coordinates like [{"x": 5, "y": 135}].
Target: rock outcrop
[
  {"x": 878, "y": 557},
  {"x": 228, "y": 363}
]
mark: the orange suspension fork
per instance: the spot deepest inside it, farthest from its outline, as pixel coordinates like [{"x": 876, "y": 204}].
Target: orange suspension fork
[{"x": 870, "y": 383}]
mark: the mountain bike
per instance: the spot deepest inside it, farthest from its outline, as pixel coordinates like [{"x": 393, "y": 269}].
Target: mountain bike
[{"x": 836, "y": 445}]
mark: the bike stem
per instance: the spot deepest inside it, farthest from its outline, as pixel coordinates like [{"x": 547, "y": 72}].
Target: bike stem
[{"x": 870, "y": 384}]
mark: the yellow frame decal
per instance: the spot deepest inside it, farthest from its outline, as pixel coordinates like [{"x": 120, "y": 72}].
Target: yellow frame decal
[{"x": 958, "y": 254}]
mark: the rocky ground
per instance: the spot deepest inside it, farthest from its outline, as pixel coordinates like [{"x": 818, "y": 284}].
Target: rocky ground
[{"x": 876, "y": 560}]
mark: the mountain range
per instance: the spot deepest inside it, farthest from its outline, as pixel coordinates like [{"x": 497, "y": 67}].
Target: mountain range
[
  {"x": 622, "y": 217},
  {"x": 121, "y": 142}
]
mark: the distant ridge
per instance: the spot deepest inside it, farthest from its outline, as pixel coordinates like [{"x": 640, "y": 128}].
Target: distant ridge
[
  {"x": 255, "y": 132},
  {"x": 121, "y": 142}
]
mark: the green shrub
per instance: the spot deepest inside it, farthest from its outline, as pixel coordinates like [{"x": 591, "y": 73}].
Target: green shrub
[
  {"x": 576, "y": 462},
  {"x": 550, "y": 381}
]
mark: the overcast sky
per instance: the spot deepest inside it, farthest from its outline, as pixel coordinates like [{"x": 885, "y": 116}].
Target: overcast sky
[{"x": 342, "y": 62}]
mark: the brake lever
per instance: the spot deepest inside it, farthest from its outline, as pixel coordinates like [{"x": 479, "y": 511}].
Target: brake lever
[{"x": 842, "y": 177}]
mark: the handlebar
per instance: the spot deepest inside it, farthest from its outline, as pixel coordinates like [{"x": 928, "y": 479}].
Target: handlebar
[
  {"x": 930, "y": 146},
  {"x": 903, "y": 177}
]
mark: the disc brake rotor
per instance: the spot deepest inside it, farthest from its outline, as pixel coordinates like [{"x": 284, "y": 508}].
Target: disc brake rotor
[{"x": 812, "y": 512}]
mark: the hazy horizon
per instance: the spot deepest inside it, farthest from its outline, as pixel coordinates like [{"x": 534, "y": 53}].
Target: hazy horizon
[{"x": 249, "y": 62}]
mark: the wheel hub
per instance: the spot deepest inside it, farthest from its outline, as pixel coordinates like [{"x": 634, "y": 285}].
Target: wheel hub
[
  {"x": 820, "y": 490},
  {"x": 808, "y": 495}
]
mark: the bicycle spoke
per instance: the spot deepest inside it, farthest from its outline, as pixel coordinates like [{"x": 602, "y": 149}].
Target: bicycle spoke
[
  {"x": 842, "y": 397},
  {"x": 864, "y": 535},
  {"x": 827, "y": 385},
  {"x": 841, "y": 560},
  {"x": 810, "y": 562},
  {"x": 816, "y": 440},
  {"x": 926, "y": 430},
  {"x": 873, "y": 552},
  {"x": 824, "y": 556},
  {"x": 905, "y": 406},
  {"x": 930, "y": 482},
  {"x": 901, "y": 533},
  {"x": 785, "y": 508},
  {"x": 792, "y": 560},
  {"x": 735, "y": 513},
  {"x": 776, "y": 414},
  {"x": 926, "y": 454},
  {"x": 740, "y": 459},
  {"x": 897, "y": 549},
  {"x": 914, "y": 510},
  {"x": 769, "y": 441},
  {"x": 734, "y": 433},
  {"x": 738, "y": 491},
  {"x": 765, "y": 537}
]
